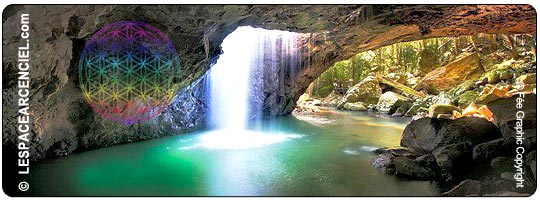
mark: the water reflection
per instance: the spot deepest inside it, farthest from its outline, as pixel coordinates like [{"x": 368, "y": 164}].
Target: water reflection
[
  {"x": 236, "y": 139},
  {"x": 332, "y": 159}
]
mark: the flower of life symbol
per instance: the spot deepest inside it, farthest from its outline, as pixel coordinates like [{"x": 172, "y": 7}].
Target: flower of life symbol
[{"x": 129, "y": 72}]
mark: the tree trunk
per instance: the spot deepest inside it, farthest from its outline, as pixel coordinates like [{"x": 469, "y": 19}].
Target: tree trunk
[{"x": 353, "y": 69}]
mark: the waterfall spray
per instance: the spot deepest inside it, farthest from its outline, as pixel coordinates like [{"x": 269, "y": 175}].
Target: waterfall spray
[{"x": 254, "y": 70}]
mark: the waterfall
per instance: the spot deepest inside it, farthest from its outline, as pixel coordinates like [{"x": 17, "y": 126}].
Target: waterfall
[
  {"x": 248, "y": 81},
  {"x": 229, "y": 79},
  {"x": 250, "y": 77}
]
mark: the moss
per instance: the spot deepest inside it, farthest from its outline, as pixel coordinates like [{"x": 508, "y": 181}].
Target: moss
[
  {"x": 466, "y": 98},
  {"x": 461, "y": 88},
  {"x": 439, "y": 109},
  {"x": 492, "y": 77}
]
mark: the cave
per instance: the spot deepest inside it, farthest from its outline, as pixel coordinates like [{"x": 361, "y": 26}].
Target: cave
[{"x": 261, "y": 84}]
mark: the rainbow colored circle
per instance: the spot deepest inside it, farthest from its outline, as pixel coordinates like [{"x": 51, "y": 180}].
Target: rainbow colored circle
[{"x": 129, "y": 71}]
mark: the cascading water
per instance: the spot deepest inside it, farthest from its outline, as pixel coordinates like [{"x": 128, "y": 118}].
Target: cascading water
[
  {"x": 250, "y": 75},
  {"x": 229, "y": 79}
]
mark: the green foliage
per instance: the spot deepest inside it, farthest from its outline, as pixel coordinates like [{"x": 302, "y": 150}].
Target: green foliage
[{"x": 403, "y": 57}]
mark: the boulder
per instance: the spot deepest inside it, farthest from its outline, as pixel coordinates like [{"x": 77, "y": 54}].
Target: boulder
[
  {"x": 496, "y": 148},
  {"x": 429, "y": 134},
  {"x": 439, "y": 109},
  {"x": 400, "y": 108},
  {"x": 505, "y": 181},
  {"x": 467, "y": 187},
  {"x": 332, "y": 100},
  {"x": 531, "y": 162},
  {"x": 504, "y": 113},
  {"x": 490, "y": 61},
  {"x": 442, "y": 98},
  {"x": 409, "y": 168},
  {"x": 367, "y": 91},
  {"x": 358, "y": 106},
  {"x": 463, "y": 87},
  {"x": 466, "y": 98},
  {"x": 427, "y": 61},
  {"x": 506, "y": 74},
  {"x": 384, "y": 162},
  {"x": 413, "y": 110},
  {"x": 445, "y": 78},
  {"x": 508, "y": 176},
  {"x": 427, "y": 160},
  {"x": 497, "y": 181},
  {"x": 399, "y": 152},
  {"x": 493, "y": 92},
  {"x": 390, "y": 102},
  {"x": 444, "y": 116},
  {"x": 530, "y": 143},
  {"x": 493, "y": 77},
  {"x": 527, "y": 78},
  {"x": 453, "y": 157},
  {"x": 502, "y": 164}
]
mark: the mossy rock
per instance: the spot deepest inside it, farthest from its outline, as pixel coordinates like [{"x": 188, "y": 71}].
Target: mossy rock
[
  {"x": 497, "y": 75},
  {"x": 367, "y": 91},
  {"x": 527, "y": 78},
  {"x": 439, "y": 109},
  {"x": 415, "y": 108},
  {"x": 506, "y": 74},
  {"x": 493, "y": 77},
  {"x": 466, "y": 98},
  {"x": 462, "y": 88},
  {"x": 358, "y": 106}
]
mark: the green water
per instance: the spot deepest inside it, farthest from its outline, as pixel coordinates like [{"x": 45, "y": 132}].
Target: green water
[{"x": 326, "y": 155}]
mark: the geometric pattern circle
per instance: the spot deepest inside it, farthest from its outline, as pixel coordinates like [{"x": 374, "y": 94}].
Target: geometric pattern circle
[{"x": 128, "y": 71}]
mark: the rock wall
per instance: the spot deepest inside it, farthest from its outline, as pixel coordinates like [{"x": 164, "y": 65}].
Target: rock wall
[{"x": 62, "y": 121}]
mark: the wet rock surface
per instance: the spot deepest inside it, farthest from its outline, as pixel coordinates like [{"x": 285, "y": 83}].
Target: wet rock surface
[
  {"x": 468, "y": 156},
  {"x": 431, "y": 133},
  {"x": 407, "y": 167}
]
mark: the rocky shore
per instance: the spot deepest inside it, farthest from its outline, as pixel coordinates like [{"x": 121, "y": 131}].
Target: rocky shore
[{"x": 469, "y": 156}]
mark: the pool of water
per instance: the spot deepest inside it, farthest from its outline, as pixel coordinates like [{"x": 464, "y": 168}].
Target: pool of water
[{"x": 324, "y": 154}]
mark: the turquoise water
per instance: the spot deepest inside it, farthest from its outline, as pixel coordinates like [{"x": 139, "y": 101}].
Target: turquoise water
[{"x": 326, "y": 154}]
